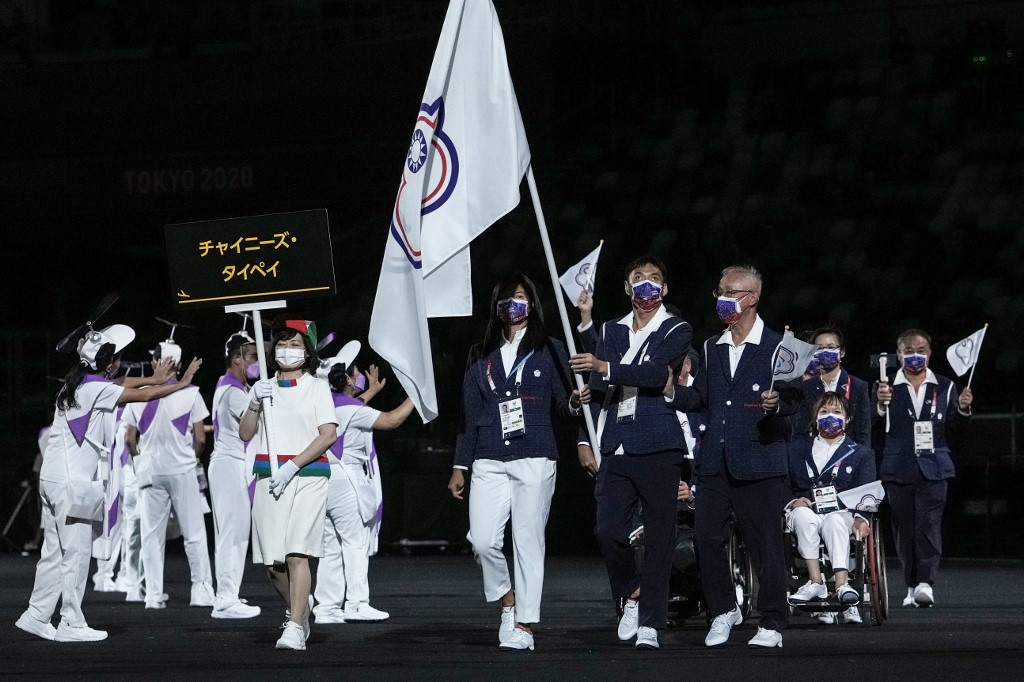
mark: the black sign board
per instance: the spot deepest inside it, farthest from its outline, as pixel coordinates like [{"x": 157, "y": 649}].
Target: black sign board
[{"x": 250, "y": 259}]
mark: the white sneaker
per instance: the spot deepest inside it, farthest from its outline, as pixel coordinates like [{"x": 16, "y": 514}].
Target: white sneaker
[
  {"x": 331, "y": 616},
  {"x": 646, "y": 638},
  {"x": 103, "y": 585},
  {"x": 292, "y": 638},
  {"x": 847, "y": 595},
  {"x": 134, "y": 595},
  {"x": 202, "y": 595},
  {"x": 630, "y": 621},
  {"x": 36, "y": 627},
  {"x": 305, "y": 618},
  {"x": 923, "y": 595},
  {"x": 236, "y": 610},
  {"x": 826, "y": 617},
  {"x": 766, "y": 639},
  {"x": 83, "y": 633},
  {"x": 122, "y": 584},
  {"x": 852, "y": 615},
  {"x": 810, "y": 591},
  {"x": 156, "y": 604},
  {"x": 508, "y": 624},
  {"x": 365, "y": 613},
  {"x": 722, "y": 625},
  {"x": 519, "y": 639},
  {"x": 909, "y": 599}
]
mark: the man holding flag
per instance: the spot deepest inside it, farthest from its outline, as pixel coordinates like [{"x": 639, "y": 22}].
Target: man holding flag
[{"x": 742, "y": 463}]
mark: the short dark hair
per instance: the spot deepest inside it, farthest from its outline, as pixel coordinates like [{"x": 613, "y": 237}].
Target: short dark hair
[
  {"x": 830, "y": 399},
  {"x": 235, "y": 345},
  {"x": 902, "y": 338},
  {"x": 828, "y": 329},
  {"x": 644, "y": 260},
  {"x": 312, "y": 359}
]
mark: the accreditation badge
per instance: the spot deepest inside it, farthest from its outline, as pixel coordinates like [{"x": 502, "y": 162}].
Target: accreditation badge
[
  {"x": 513, "y": 420},
  {"x": 924, "y": 439},
  {"x": 627, "y": 404},
  {"x": 826, "y": 499}
]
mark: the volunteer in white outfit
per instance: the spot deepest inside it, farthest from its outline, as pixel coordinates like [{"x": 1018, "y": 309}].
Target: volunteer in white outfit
[
  {"x": 354, "y": 498},
  {"x": 229, "y": 478},
  {"x": 103, "y": 578},
  {"x": 296, "y": 428},
  {"x": 515, "y": 381},
  {"x": 80, "y": 437},
  {"x": 171, "y": 434},
  {"x": 130, "y": 578}
]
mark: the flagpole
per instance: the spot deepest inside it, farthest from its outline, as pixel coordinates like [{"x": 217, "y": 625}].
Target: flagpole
[
  {"x": 566, "y": 329},
  {"x": 977, "y": 354}
]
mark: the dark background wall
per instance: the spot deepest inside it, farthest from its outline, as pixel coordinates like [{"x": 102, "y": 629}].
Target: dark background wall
[{"x": 867, "y": 157}]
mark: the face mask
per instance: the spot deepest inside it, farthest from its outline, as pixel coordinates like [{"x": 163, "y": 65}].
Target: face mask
[
  {"x": 512, "y": 310},
  {"x": 915, "y": 363},
  {"x": 647, "y": 295},
  {"x": 728, "y": 309},
  {"x": 831, "y": 425},
  {"x": 289, "y": 358},
  {"x": 827, "y": 359},
  {"x": 252, "y": 371},
  {"x": 360, "y": 382}
]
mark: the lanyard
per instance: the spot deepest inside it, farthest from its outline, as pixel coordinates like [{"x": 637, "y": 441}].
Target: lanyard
[
  {"x": 835, "y": 468},
  {"x": 518, "y": 369},
  {"x": 847, "y": 387},
  {"x": 935, "y": 400}
]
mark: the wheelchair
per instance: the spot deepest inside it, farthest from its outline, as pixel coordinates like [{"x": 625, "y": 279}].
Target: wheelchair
[{"x": 866, "y": 575}]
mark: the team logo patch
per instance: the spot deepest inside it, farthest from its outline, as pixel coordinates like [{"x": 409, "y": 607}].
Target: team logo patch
[{"x": 536, "y": 372}]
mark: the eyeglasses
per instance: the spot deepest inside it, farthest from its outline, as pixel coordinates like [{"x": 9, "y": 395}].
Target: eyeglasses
[
  {"x": 829, "y": 346},
  {"x": 730, "y": 293}
]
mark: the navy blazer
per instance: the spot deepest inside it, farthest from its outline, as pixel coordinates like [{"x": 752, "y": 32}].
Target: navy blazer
[
  {"x": 751, "y": 443},
  {"x": 858, "y": 467},
  {"x": 850, "y": 387},
  {"x": 899, "y": 460},
  {"x": 545, "y": 390},
  {"x": 655, "y": 427}
]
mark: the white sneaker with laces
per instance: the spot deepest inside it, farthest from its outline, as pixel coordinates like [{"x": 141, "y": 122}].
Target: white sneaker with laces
[
  {"x": 365, "y": 613},
  {"x": 630, "y": 621},
  {"x": 810, "y": 591},
  {"x": 82, "y": 633},
  {"x": 646, "y": 638},
  {"x": 722, "y": 626},
  {"x": 236, "y": 610},
  {"x": 826, "y": 617},
  {"x": 852, "y": 615},
  {"x": 923, "y": 595},
  {"x": 202, "y": 595},
  {"x": 508, "y": 623},
  {"x": 519, "y": 639},
  {"x": 292, "y": 638},
  {"x": 766, "y": 639},
  {"x": 847, "y": 595},
  {"x": 36, "y": 627},
  {"x": 909, "y": 599}
]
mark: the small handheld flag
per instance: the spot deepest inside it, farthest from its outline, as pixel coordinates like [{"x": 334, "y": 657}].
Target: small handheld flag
[{"x": 580, "y": 277}]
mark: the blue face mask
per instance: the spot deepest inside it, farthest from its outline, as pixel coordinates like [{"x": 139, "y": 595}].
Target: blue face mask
[
  {"x": 728, "y": 309},
  {"x": 831, "y": 425},
  {"x": 513, "y": 310},
  {"x": 647, "y": 295},
  {"x": 827, "y": 359},
  {"x": 915, "y": 363}
]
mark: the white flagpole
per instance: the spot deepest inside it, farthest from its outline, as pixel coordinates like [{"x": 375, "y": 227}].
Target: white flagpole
[
  {"x": 556, "y": 285},
  {"x": 977, "y": 353}
]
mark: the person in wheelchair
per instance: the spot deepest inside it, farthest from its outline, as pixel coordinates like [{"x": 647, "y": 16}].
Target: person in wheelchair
[{"x": 822, "y": 465}]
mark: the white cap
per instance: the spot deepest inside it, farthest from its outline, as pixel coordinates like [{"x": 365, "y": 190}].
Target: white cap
[
  {"x": 346, "y": 356},
  {"x": 169, "y": 349},
  {"x": 118, "y": 334}
]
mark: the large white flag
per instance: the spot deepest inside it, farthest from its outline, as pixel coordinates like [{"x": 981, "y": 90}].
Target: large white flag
[
  {"x": 581, "y": 276},
  {"x": 462, "y": 172},
  {"x": 963, "y": 355},
  {"x": 792, "y": 357}
]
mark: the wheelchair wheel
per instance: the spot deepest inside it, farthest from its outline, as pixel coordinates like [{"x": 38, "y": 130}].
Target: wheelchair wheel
[
  {"x": 742, "y": 569},
  {"x": 876, "y": 575},
  {"x": 860, "y": 579}
]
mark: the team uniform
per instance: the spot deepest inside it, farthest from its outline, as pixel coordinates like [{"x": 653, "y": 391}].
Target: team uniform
[{"x": 107, "y": 548}]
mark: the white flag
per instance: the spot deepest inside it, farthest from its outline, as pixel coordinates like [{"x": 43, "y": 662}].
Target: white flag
[
  {"x": 866, "y": 498},
  {"x": 462, "y": 172},
  {"x": 792, "y": 357},
  {"x": 962, "y": 355},
  {"x": 581, "y": 276}
]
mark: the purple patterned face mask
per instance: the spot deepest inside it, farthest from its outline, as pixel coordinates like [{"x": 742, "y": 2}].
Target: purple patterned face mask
[
  {"x": 512, "y": 310},
  {"x": 831, "y": 425},
  {"x": 728, "y": 309},
  {"x": 646, "y": 295},
  {"x": 915, "y": 362},
  {"x": 827, "y": 358}
]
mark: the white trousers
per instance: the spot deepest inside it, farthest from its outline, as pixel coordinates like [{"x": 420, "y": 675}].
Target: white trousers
[
  {"x": 63, "y": 568},
  {"x": 105, "y": 567},
  {"x": 182, "y": 492},
  {"x": 833, "y": 529},
  {"x": 521, "y": 490},
  {"x": 341, "y": 577},
  {"x": 232, "y": 518},
  {"x": 130, "y": 570}
]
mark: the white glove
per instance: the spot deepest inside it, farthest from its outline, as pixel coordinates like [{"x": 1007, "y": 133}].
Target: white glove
[
  {"x": 264, "y": 388},
  {"x": 279, "y": 481}
]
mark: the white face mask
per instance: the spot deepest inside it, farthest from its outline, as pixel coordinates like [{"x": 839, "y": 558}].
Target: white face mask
[{"x": 289, "y": 358}]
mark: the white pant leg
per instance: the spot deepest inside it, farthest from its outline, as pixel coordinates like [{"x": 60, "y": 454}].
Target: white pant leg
[
  {"x": 47, "y": 586},
  {"x": 330, "y": 572},
  {"x": 490, "y": 505},
  {"x": 805, "y": 523},
  {"x": 105, "y": 567},
  {"x": 232, "y": 516},
  {"x": 835, "y": 533},
  {"x": 132, "y": 534},
  {"x": 154, "y": 511},
  {"x": 355, "y": 536},
  {"x": 188, "y": 509},
  {"x": 533, "y": 484}
]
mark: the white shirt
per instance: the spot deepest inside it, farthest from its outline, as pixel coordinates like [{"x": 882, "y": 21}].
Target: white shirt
[
  {"x": 736, "y": 350},
  {"x": 639, "y": 337},
  {"x": 831, "y": 385},
  {"x": 169, "y": 450},
  {"x": 355, "y": 424},
  {"x": 917, "y": 396},
  {"x": 230, "y": 400},
  {"x": 821, "y": 453},
  {"x": 296, "y": 414},
  {"x": 510, "y": 349},
  {"x": 97, "y": 400}
]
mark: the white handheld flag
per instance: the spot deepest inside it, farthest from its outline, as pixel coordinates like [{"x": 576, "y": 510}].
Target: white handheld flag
[
  {"x": 462, "y": 172},
  {"x": 963, "y": 355},
  {"x": 792, "y": 358},
  {"x": 581, "y": 276},
  {"x": 866, "y": 498}
]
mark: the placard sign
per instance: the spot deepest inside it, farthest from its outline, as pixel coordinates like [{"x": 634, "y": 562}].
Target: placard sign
[{"x": 250, "y": 259}]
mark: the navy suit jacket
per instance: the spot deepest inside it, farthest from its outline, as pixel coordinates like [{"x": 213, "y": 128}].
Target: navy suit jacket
[
  {"x": 752, "y": 444},
  {"x": 850, "y": 387},
  {"x": 899, "y": 460},
  {"x": 545, "y": 391},
  {"x": 655, "y": 427},
  {"x": 858, "y": 467}
]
